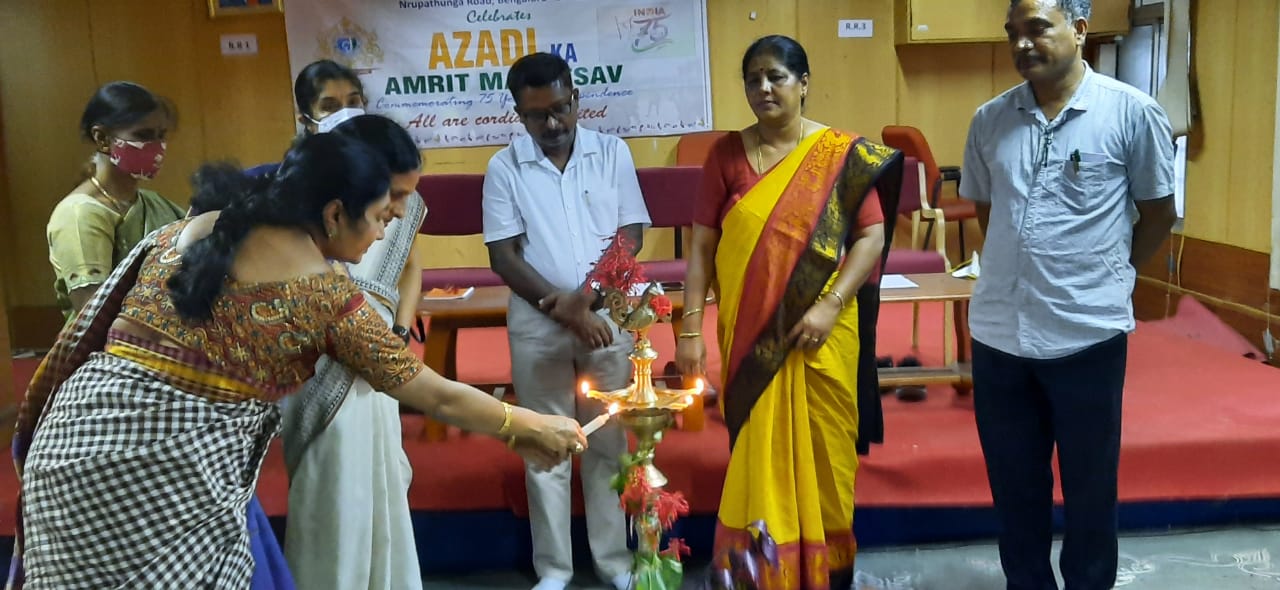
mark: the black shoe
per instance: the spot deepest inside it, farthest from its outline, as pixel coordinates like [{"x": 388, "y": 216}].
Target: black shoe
[
  {"x": 910, "y": 393},
  {"x": 885, "y": 362}
]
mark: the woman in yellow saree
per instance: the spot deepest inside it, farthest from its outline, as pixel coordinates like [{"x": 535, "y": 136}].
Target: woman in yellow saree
[{"x": 790, "y": 225}]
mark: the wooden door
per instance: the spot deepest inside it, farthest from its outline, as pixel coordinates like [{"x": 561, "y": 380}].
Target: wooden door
[{"x": 8, "y": 401}]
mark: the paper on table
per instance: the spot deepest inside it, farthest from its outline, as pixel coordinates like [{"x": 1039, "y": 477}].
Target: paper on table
[
  {"x": 896, "y": 282},
  {"x": 438, "y": 294},
  {"x": 969, "y": 270}
]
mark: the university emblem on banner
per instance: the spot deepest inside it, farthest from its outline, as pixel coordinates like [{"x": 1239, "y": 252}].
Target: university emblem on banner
[{"x": 350, "y": 45}]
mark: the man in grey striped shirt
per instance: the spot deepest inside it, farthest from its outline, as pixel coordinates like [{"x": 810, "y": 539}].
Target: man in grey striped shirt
[{"x": 1072, "y": 172}]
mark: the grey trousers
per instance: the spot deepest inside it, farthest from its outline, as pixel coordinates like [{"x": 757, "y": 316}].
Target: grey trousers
[{"x": 547, "y": 362}]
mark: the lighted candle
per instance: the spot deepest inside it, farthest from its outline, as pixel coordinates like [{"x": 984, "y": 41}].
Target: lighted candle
[
  {"x": 600, "y": 420},
  {"x": 693, "y": 418}
]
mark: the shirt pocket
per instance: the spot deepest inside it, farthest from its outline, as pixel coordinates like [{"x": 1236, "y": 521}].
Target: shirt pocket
[
  {"x": 1084, "y": 179},
  {"x": 601, "y": 201}
]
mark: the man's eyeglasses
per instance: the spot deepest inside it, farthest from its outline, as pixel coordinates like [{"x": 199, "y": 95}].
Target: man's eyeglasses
[{"x": 539, "y": 117}]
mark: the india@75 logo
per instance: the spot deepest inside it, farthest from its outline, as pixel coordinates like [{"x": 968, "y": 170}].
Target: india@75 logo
[{"x": 648, "y": 29}]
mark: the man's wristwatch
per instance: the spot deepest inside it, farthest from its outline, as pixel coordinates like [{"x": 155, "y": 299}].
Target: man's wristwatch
[
  {"x": 598, "y": 301},
  {"x": 401, "y": 331}
]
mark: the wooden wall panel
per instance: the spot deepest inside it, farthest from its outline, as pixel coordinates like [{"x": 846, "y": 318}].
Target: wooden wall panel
[
  {"x": 1252, "y": 128},
  {"x": 245, "y": 103},
  {"x": 852, "y": 81},
  {"x": 730, "y": 30},
  {"x": 1003, "y": 73},
  {"x": 1229, "y": 280},
  {"x": 1229, "y": 178},
  {"x": 6, "y": 348},
  {"x": 939, "y": 90},
  {"x": 162, "y": 58},
  {"x": 44, "y": 92}
]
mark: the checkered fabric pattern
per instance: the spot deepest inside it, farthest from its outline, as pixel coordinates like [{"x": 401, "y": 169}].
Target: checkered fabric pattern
[
  {"x": 78, "y": 339},
  {"x": 85, "y": 335},
  {"x": 133, "y": 483}
]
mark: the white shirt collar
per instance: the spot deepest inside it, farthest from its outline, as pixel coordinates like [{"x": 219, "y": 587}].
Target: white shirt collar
[{"x": 585, "y": 142}]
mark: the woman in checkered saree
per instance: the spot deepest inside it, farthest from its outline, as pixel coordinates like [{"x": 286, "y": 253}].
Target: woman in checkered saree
[{"x": 143, "y": 432}]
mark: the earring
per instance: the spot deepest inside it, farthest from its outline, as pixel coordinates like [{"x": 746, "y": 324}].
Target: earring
[{"x": 329, "y": 232}]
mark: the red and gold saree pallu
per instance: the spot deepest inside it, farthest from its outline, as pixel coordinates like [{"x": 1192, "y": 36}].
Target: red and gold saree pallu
[{"x": 793, "y": 415}]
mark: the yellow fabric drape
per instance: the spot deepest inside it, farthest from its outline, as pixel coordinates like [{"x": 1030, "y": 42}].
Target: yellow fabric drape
[{"x": 794, "y": 461}]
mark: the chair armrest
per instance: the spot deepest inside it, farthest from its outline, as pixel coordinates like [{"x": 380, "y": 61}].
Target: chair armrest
[
  {"x": 949, "y": 173},
  {"x": 940, "y": 233}
]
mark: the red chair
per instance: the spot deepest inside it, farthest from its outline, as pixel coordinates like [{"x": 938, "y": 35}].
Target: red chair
[
  {"x": 669, "y": 194},
  {"x": 913, "y": 143},
  {"x": 692, "y": 148},
  {"x": 911, "y": 201},
  {"x": 453, "y": 209}
]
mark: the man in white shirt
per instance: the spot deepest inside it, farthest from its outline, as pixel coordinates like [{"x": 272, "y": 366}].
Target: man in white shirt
[
  {"x": 553, "y": 199},
  {"x": 1072, "y": 172}
]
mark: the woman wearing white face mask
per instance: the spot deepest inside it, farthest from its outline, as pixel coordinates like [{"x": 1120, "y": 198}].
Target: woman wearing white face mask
[
  {"x": 327, "y": 94},
  {"x": 94, "y": 226}
]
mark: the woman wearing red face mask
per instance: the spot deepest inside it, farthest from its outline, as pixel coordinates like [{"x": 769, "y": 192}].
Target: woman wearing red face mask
[{"x": 92, "y": 228}]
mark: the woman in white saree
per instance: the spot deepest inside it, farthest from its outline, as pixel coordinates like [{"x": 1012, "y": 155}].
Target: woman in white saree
[{"x": 348, "y": 524}]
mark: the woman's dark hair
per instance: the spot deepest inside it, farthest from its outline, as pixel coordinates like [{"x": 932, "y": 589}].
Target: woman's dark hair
[
  {"x": 210, "y": 190},
  {"x": 319, "y": 169},
  {"x": 121, "y": 104},
  {"x": 537, "y": 70},
  {"x": 387, "y": 138},
  {"x": 311, "y": 81},
  {"x": 785, "y": 49}
]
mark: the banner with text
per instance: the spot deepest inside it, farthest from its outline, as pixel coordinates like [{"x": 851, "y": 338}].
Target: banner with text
[{"x": 439, "y": 66}]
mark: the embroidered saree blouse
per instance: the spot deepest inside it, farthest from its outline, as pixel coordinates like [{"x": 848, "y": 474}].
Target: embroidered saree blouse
[{"x": 270, "y": 334}]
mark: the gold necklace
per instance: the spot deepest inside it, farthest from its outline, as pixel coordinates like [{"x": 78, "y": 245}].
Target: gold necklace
[
  {"x": 760, "y": 143},
  {"x": 117, "y": 204}
]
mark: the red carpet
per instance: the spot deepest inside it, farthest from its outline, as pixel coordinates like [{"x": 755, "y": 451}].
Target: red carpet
[{"x": 1199, "y": 425}]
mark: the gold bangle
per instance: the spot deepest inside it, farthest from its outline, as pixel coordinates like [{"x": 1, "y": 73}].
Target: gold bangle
[
  {"x": 838, "y": 296},
  {"x": 690, "y": 335},
  {"x": 689, "y": 312},
  {"x": 506, "y": 420}
]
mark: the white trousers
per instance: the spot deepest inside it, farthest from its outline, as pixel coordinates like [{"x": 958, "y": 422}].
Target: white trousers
[
  {"x": 348, "y": 525},
  {"x": 547, "y": 363}
]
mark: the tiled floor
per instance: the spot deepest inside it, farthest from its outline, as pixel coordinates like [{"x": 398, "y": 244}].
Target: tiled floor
[{"x": 1221, "y": 559}]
